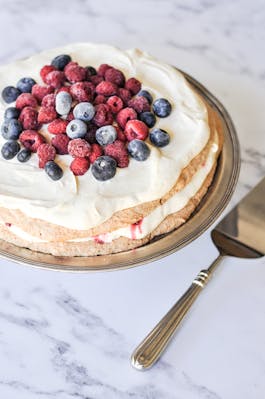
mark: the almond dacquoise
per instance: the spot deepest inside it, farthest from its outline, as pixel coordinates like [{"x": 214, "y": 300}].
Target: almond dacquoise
[{"x": 101, "y": 150}]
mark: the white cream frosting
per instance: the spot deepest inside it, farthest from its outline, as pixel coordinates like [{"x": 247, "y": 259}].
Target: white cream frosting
[{"x": 83, "y": 202}]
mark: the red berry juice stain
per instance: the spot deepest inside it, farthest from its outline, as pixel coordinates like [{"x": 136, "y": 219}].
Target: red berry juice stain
[
  {"x": 136, "y": 227},
  {"x": 100, "y": 239},
  {"x": 8, "y": 224}
]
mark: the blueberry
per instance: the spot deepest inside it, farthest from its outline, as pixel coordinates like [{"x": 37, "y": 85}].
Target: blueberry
[
  {"x": 11, "y": 113},
  {"x": 76, "y": 129},
  {"x": 104, "y": 168},
  {"x": 10, "y": 94},
  {"x": 24, "y": 155},
  {"x": 61, "y": 61},
  {"x": 159, "y": 137},
  {"x": 11, "y": 129},
  {"x": 25, "y": 84},
  {"x": 10, "y": 149},
  {"x": 84, "y": 111},
  {"x": 139, "y": 150},
  {"x": 148, "y": 118},
  {"x": 63, "y": 103},
  {"x": 147, "y": 95},
  {"x": 91, "y": 71},
  {"x": 53, "y": 170},
  {"x": 162, "y": 107},
  {"x": 106, "y": 135}
]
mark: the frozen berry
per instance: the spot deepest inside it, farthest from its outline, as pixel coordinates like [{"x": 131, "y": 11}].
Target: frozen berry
[
  {"x": 91, "y": 71},
  {"x": 58, "y": 126},
  {"x": 39, "y": 91},
  {"x": 63, "y": 103},
  {"x": 84, "y": 111},
  {"x": 139, "y": 104},
  {"x": 79, "y": 148},
  {"x": 125, "y": 115},
  {"x": 45, "y": 70},
  {"x": 102, "y": 69},
  {"x": 24, "y": 155},
  {"x": 76, "y": 129},
  {"x": 96, "y": 79},
  {"x": 25, "y": 84},
  {"x": 60, "y": 61},
  {"x": 46, "y": 152},
  {"x": 70, "y": 116},
  {"x": 75, "y": 73},
  {"x": 118, "y": 151},
  {"x": 100, "y": 99},
  {"x": 162, "y": 107},
  {"x": 48, "y": 100},
  {"x": 115, "y": 76},
  {"x": 106, "y": 135},
  {"x": 79, "y": 166},
  {"x": 90, "y": 136},
  {"x": 55, "y": 79},
  {"x": 96, "y": 151},
  {"x": 46, "y": 115},
  {"x": 120, "y": 134},
  {"x": 159, "y": 137},
  {"x": 125, "y": 95},
  {"x": 29, "y": 118},
  {"x": 26, "y": 100},
  {"x": 135, "y": 129},
  {"x": 115, "y": 103},
  {"x": 53, "y": 170},
  {"x": 64, "y": 88},
  {"x": 106, "y": 89},
  {"x": 31, "y": 139},
  {"x": 11, "y": 129},
  {"x": 82, "y": 91},
  {"x": 148, "y": 118},
  {"x": 147, "y": 95},
  {"x": 11, "y": 113},
  {"x": 10, "y": 149},
  {"x": 60, "y": 143},
  {"x": 133, "y": 85},
  {"x": 138, "y": 150},
  {"x": 104, "y": 168},
  {"x": 103, "y": 115},
  {"x": 10, "y": 94}
]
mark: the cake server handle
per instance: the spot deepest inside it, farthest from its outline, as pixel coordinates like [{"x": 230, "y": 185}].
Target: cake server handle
[{"x": 151, "y": 348}]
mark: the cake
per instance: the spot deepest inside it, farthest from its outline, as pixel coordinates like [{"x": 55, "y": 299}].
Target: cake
[{"x": 101, "y": 150}]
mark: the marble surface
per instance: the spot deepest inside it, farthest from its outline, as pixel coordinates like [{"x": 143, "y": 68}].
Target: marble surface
[{"x": 70, "y": 335}]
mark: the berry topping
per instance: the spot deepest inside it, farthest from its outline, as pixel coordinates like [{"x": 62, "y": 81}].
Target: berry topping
[
  {"x": 133, "y": 85},
  {"x": 84, "y": 111},
  {"x": 58, "y": 126},
  {"x": 159, "y": 137},
  {"x": 162, "y": 107},
  {"x": 115, "y": 103},
  {"x": 103, "y": 68},
  {"x": 138, "y": 150},
  {"x": 125, "y": 115},
  {"x": 148, "y": 118},
  {"x": 76, "y": 129},
  {"x": 106, "y": 89},
  {"x": 106, "y": 135},
  {"x": 135, "y": 129},
  {"x": 147, "y": 95},
  {"x": 100, "y": 99},
  {"x": 118, "y": 151},
  {"x": 61, "y": 61},
  {"x": 48, "y": 100},
  {"x": 10, "y": 94},
  {"x": 75, "y": 73},
  {"x": 10, "y": 149},
  {"x": 60, "y": 143},
  {"x": 103, "y": 115},
  {"x": 31, "y": 139},
  {"x": 63, "y": 103},
  {"x": 25, "y": 84},
  {"x": 29, "y": 118},
  {"x": 24, "y": 155},
  {"x": 55, "y": 79},
  {"x": 79, "y": 148},
  {"x": 91, "y": 71},
  {"x": 115, "y": 76},
  {"x": 125, "y": 95},
  {"x": 11, "y": 129},
  {"x": 46, "y": 115},
  {"x": 26, "y": 100},
  {"x": 39, "y": 91},
  {"x": 45, "y": 70},
  {"x": 46, "y": 152},
  {"x": 104, "y": 168},
  {"x": 53, "y": 170},
  {"x": 139, "y": 104},
  {"x": 79, "y": 166},
  {"x": 96, "y": 151},
  {"x": 82, "y": 91}
]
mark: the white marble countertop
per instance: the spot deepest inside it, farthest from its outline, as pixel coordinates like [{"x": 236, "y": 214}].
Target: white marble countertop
[{"x": 68, "y": 336}]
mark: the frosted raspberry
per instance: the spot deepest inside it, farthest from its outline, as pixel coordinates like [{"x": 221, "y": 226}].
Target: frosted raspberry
[
  {"x": 82, "y": 91},
  {"x": 60, "y": 143},
  {"x": 29, "y": 118},
  {"x": 133, "y": 85},
  {"x": 115, "y": 103},
  {"x": 97, "y": 151},
  {"x": 118, "y": 151},
  {"x": 75, "y": 73},
  {"x": 103, "y": 115},
  {"x": 115, "y": 76},
  {"x": 39, "y": 91},
  {"x": 102, "y": 69},
  {"x": 106, "y": 88},
  {"x": 135, "y": 129},
  {"x": 46, "y": 115},
  {"x": 55, "y": 79},
  {"x": 31, "y": 139},
  {"x": 26, "y": 100},
  {"x": 139, "y": 104},
  {"x": 58, "y": 126},
  {"x": 120, "y": 134},
  {"x": 45, "y": 70},
  {"x": 46, "y": 152},
  {"x": 90, "y": 136},
  {"x": 48, "y": 100},
  {"x": 96, "y": 79},
  {"x": 70, "y": 116},
  {"x": 100, "y": 99},
  {"x": 125, "y": 95},
  {"x": 64, "y": 88},
  {"x": 79, "y": 166},
  {"x": 125, "y": 115},
  {"x": 79, "y": 148},
  {"x": 70, "y": 65}
]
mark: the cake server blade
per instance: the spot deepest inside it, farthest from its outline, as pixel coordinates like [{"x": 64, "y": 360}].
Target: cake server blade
[{"x": 241, "y": 233}]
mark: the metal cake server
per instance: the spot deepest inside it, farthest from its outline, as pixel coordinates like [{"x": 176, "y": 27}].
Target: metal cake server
[{"x": 241, "y": 234}]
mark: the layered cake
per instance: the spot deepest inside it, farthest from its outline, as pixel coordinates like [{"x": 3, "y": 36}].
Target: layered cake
[{"x": 101, "y": 150}]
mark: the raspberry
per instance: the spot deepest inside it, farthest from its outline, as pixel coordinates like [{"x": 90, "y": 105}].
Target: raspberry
[
  {"x": 120, "y": 134},
  {"x": 102, "y": 69},
  {"x": 133, "y": 85},
  {"x": 115, "y": 103},
  {"x": 45, "y": 70},
  {"x": 75, "y": 73},
  {"x": 90, "y": 136},
  {"x": 70, "y": 116},
  {"x": 48, "y": 100},
  {"x": 115, "y": 76},
  {"x": 70, "y": 65},
  {"x": 57, "y": 126},
  {"x": 26, "y": 100},
  {"x": 125, "y": 115},
  {"x": 79, "y": 148},
  {"x": 60, "y": 143},
  {"x": 125, "y": 95},
  {"x": 31, "y": 139},
  {"x": 106, "y": 88},
  {"x": 96, "y": 79},
  {"x": 79, "y": 166},
  {"x": 39, "y": 91},
  {"x": 103, "y": 115},
  {"x": 46, "y": 152},
  {"x": 135, "y": 129},
  {"x": 100, "y": 99},
  {"x": 139, "y": 104},
  {"x": 82, "y": 91},
  {"x": 46, "y": 115},
  {"x": 29, "y": 118},
  {"x": 118, "y": 151},
  {"x": 96, "y": 152},
  {"x": 55, "y": 79},
  {"x": 64, "y": 88}
]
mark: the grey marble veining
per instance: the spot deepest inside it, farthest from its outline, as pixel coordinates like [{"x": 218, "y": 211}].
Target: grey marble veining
[{"x": 67, "y": 336}]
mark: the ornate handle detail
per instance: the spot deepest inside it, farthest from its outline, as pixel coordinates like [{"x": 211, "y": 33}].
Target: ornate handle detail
[{"x": 150, "y": 349}]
